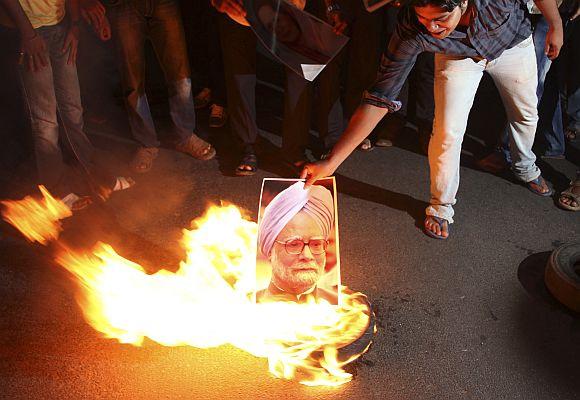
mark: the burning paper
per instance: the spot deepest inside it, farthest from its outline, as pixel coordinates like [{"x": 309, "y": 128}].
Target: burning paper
[
  {"x": 209, "y": 301},
  {"x": 37, "y": 220}
]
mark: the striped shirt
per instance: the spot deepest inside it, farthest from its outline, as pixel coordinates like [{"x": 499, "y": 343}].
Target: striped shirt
[{"x": 497, "y": 25}]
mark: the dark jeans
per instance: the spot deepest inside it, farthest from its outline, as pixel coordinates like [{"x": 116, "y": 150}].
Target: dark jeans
[
  {"x": 239, "y": 53},
  {"x": 200, "y": 21},
  {"x": 366, "y": 43},
  {"x": 299, "y": 106},
  {"x": 572, "y": 55},
  {"x": 132, "y": 23}
]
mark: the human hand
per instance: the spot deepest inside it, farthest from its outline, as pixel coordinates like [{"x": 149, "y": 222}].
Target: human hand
[
  {"x": 314, "y": 171},
  {"x": 338, "y": 21},
  {"x": 33, "y": 52},
  {"x": 233, "y": 8},
  {"x": 554, "y": 42},
  {"x": 93, "y": 12},
  {"x": 71, "y": 43}
]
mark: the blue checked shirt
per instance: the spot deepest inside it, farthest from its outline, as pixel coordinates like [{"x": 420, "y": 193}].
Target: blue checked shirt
[{"x": 497, "y": 26}]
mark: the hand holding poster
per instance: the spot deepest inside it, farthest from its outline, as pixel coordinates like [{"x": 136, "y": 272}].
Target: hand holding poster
[
  {"x": 301, "y": 41},
  {"x": 297, "y": 257}
]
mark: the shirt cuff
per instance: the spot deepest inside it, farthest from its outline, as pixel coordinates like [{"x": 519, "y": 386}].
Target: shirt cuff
[{"x": 374, "y": 99}]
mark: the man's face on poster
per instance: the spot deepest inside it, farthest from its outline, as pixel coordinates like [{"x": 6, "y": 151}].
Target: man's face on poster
[
  {"x": 296, "y": 270},
  {"x": 284, "y": 25}
]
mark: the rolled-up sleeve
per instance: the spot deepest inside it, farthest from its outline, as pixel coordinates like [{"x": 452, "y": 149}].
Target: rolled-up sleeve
[{"x": 396, "y": 63}]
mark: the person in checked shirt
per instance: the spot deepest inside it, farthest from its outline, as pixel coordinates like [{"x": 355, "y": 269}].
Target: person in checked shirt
[{"x": 469, "y": 37}]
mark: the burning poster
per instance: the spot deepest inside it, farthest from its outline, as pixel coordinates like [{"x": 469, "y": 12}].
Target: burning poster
[
  {"x": 297, "y": 250},
  {"x": 299, "y": 40}
]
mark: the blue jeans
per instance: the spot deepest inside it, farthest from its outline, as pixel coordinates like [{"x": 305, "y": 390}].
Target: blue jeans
[
  {"x": 550, "y": 126},
  {"x": 55, "y": 88},
  {"x": 572, "y": 53},
  {"x": 159, "y": 21}
]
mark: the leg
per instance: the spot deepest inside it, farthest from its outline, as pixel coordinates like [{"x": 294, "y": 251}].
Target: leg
[
  {"x": 40, "y": 99},
  {"x": 68, "y": 99},
  {"x": 573, "y": 78},
  {"x": 515, "y": 76},
  {"x": 239, "y": 56},
  {"x": 456, "y": 81},
  {"x": 165, "y": 30},
  {"x": 550, "y": 127},
  {"x": 329, "y": 112},
  {"x": 128, "y": 26},
  {"x": 296, "y": 124},
  {"x": 421, "y": 84},
  {"x": 365, "y": 44}
]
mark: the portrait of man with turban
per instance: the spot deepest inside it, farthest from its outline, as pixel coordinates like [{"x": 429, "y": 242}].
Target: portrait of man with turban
[{"x": 294, "y": 233}]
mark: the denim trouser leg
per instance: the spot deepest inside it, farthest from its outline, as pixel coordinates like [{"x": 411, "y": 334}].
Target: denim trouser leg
[
  {"x": 129, "y": 28},
  {"x": 239, "y": 53},
  {"x": 53, "y": 88},
  {"x": 573, "y": 77},
  {"x": 550, "y": 126},
  {"x": 165, "y": 29},
  {"x": 298, "y": 93}
]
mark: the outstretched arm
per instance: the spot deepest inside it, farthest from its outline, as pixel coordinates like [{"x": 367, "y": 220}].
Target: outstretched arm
[{"x": 363, "y": 121}]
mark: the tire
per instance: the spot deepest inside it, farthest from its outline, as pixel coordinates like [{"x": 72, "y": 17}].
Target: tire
[{"x": 561, "y": 278}]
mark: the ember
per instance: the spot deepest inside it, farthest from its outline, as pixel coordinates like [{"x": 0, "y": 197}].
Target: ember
[{"x": 208, "y": 302}]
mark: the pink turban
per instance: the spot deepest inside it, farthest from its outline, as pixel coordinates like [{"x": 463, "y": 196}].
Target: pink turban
[{"x": 316, "y": 201}]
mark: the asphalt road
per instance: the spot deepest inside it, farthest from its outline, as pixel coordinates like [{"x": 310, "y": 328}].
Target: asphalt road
[{"x": 466, "y": 318}]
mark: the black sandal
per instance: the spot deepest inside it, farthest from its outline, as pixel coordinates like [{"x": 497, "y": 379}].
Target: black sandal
[{"x": 248, "y": 165}]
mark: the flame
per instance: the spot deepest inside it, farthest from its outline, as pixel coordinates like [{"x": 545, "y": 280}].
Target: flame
[
  {"x": 38, "y": 220},
  {"x": 208, "y": 302}
]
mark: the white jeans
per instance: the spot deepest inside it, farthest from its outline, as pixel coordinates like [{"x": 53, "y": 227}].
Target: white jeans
[{"x": 456, "y": 82}]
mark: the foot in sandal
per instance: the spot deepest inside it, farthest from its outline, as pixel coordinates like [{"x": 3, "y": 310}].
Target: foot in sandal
[
  {"x": 143, "y": 159},
  {"x": 570, "y": 198},
  {"x": 197, "y": 148}
]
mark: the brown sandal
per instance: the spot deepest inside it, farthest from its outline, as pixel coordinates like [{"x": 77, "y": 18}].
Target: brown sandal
[
  {"x": 197, "y": 148},
  {"x": 143, "y": 159}
]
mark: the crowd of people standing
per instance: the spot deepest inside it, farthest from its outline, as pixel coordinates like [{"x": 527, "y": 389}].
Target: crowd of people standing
[{"x": 430, "y": 56}]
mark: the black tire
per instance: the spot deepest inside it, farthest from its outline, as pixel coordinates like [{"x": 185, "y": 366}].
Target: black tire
[{"x": 561, "y": 278}]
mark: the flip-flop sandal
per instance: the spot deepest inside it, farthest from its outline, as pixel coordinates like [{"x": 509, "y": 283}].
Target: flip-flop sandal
[
  {"x": 384, "y": 143},
  {"x": 75, "y": 202},
  {"x": 366, "y": 145},
  {"x": 537, "y": 183},
  {"x": 248, "y": 165},
  {"x": 570, "y": 195},
  {"x": 197, "y": 148},
  {"x": 441, "y": 222},
  {"x": 143, "y": 159}
]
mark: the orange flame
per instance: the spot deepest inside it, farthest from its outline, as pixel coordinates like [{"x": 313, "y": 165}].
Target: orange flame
[
  {"x": 208, "y": 302},
  {"x": 38, "y": 220}
]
